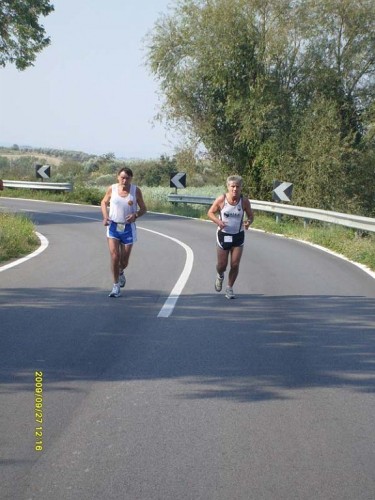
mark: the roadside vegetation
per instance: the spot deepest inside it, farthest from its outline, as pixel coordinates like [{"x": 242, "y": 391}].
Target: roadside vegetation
[{"x": 17, "y": 236}]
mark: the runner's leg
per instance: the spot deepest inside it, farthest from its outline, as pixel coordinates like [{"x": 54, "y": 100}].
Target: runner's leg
[
  {"x": 125, "y": 252},
  {"x": 235, "y": 258},
  {"x": 114, "y": 250},
  {"x": 222, "y": 260}
]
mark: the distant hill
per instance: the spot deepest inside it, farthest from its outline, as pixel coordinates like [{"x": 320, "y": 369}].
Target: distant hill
[
  {"x": 47, "y": 155},
  {"x": 44, "y": 159}
]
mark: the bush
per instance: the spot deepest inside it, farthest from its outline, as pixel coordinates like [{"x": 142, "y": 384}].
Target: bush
[
  {"x": 17, "y": 236},
  {"x": 105, "y": 180},
  {"x": 83, "y": 194}
]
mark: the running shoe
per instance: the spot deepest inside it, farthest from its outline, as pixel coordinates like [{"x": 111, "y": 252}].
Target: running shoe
[
  {"x": 229, "y": 293},
  {"x": 115, "y": 291},
  {"x": 122, "y": 279},
  {"x": 219, "y": 282}
]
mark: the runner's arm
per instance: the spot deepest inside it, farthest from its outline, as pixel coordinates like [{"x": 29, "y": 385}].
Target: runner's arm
[
  {"x": 249, "y": 212},
  {"x": 141, "y": 207},
  {"x": 104, "y": 205},
  {"x": 214, "y": 209}
]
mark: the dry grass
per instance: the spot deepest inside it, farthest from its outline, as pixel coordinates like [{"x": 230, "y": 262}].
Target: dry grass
[{"x": 44, "y": 159}]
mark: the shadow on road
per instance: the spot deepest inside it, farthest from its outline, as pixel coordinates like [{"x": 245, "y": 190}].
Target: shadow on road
[{"x": 251, "y": 349}]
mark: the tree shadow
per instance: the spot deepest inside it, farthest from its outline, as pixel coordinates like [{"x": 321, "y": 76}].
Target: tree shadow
[
  {"x": 69, "y": 215},
  {"x": 251, "y": 349}
]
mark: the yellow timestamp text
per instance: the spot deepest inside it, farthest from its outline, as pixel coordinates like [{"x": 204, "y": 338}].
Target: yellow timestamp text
[{"x": 38, "y": 410}]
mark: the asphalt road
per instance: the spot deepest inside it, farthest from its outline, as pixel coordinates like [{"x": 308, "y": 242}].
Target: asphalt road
[{"x": 189, "y": 396}]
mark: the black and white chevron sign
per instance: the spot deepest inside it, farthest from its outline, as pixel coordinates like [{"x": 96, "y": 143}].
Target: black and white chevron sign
[
  {"x": 282, "y": 191},
  {"x": 178, "y": 180},
  {"x": 43, "y": 171}
]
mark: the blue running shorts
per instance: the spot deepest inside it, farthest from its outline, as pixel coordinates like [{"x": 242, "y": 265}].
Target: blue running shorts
[{"x": 126, "y": 233}]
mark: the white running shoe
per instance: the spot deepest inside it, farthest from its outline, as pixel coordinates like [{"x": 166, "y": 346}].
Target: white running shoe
[
  {"x": 229, "y": 293},
  {"x": 219, "y": 282},
  {"x": 122, "y": 279},
  {"x": 115, "y": 291}
]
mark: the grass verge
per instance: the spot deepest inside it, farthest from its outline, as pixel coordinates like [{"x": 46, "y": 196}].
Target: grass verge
[
  {"x": 354, "y": 245},
  {"x": 17, "y": 236}
]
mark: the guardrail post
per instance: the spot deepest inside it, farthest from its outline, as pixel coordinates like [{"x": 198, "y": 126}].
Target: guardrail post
[
  {"x": 278, "y": 215},
  {"x": 358, "y": 233},
  {"x": 174, "y": 203}
]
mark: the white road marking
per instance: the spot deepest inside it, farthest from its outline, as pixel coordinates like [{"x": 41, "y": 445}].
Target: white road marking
[
  {"x": 171, "y": 301},
  {"x": 43, "y": 245}
]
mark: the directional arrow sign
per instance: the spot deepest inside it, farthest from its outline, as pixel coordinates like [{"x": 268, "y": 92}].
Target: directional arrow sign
[
  {"x": 43, "y": 171},
  {"x": 178, "y": 180},
  {"x": 282, "y": 191}
]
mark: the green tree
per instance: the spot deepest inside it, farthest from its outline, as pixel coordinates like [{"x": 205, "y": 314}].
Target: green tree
[
  {"x": 340, "y": 61},
  {"x": 361, "y": 171},
  {"x": 158, "y": 172},
  {"x": 186, "y": 161},
  {"x": 21, "y": 34},
  {"x": 246, "y": 78},
  {"x": 319, "y": 174},
  {"x": 217, "y": 66}
]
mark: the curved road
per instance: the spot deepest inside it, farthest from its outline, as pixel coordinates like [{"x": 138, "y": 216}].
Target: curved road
[{"x": 171, "y": 391}]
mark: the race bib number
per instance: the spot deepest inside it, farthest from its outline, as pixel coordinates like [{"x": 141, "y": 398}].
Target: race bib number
[
  {"x": 228, "y": 239},
  {"x": 120, "y": 228}
]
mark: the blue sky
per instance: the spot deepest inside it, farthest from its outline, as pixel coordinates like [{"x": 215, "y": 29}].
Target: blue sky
[{"x": 89, "y": 90}]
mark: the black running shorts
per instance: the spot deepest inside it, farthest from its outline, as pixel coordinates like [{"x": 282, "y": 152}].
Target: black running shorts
[{"x": 227, "y": 241}]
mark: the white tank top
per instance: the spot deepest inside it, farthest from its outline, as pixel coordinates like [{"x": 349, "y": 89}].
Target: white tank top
[
  {"x": 120, "y": 207},
  {"x": 232, "y": 215}
]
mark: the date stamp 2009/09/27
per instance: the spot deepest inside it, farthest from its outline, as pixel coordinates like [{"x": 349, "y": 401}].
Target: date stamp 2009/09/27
[{"x": 38, "y": 410}]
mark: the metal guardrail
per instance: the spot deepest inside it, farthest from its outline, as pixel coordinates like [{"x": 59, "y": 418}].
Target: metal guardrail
[
  {"x": 51, "y": 186},
  {"x": 354, "y": 221}
]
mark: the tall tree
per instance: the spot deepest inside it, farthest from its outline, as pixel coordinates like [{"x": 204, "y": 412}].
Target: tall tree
[
  {"x": 22, "y": 36},
  {"x": 226, "y": 68},
  {"x": 340, "y": 56},
  {"x": 319, "y": 176},
  {"x": 244, "y": 76}
]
